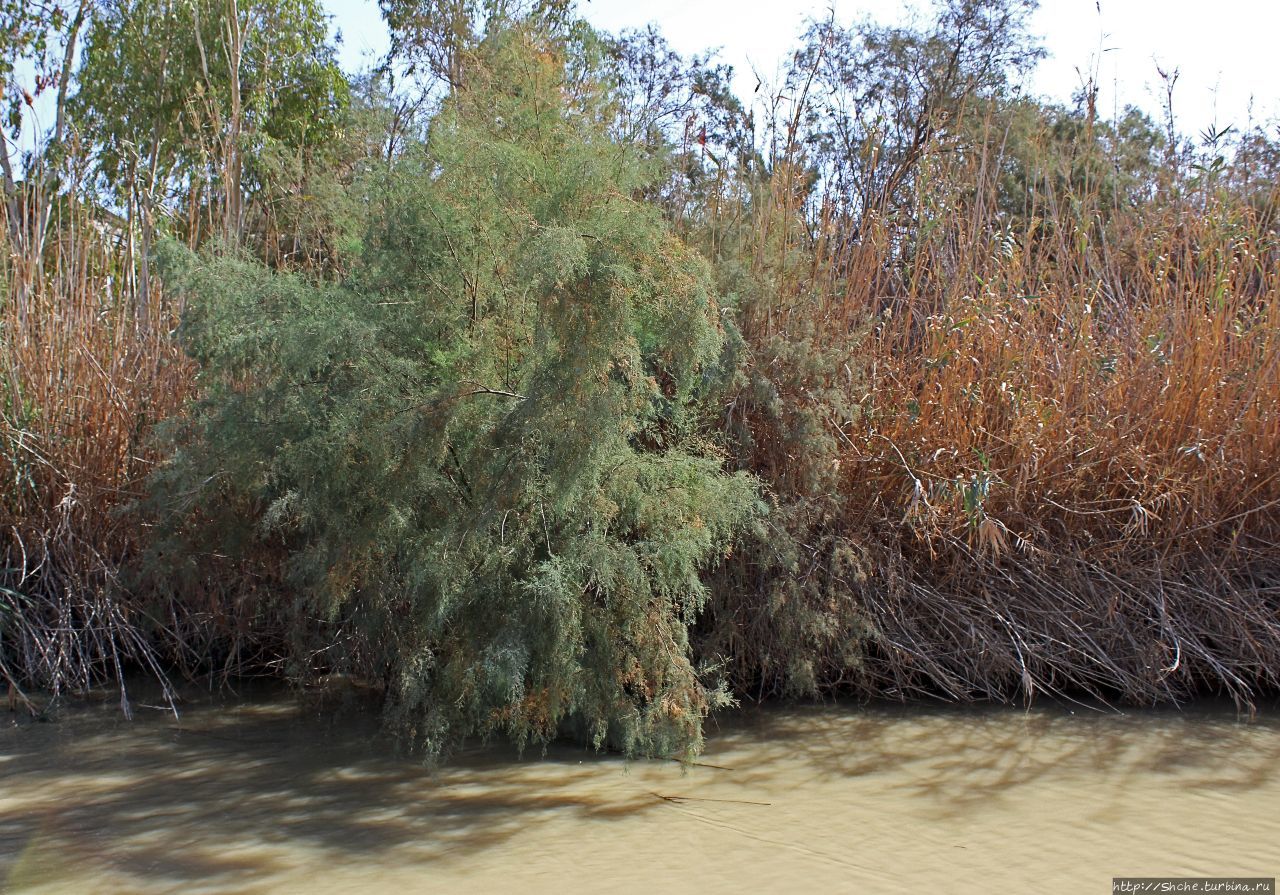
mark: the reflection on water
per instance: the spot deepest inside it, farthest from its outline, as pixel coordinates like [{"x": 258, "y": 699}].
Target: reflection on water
[{"x": 265, "y": 796}]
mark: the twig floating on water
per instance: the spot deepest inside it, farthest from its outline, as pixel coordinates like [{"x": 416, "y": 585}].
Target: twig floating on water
[{"x": 679, "y": 799}]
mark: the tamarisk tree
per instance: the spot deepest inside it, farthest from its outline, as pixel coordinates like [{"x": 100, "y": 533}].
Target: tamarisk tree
[{"x": 475, "y": 460}]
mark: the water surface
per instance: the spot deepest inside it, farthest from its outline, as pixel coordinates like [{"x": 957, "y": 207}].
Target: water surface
[{"x": 266, "y": 795}]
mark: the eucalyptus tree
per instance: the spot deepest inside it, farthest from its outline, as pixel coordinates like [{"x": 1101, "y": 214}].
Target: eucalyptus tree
[
  {"x": 180, "y": 98},
  {"x": 38, "y": 43}
]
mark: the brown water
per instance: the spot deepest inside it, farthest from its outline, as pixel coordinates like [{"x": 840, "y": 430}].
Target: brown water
[{"x": 264, "y": 796}]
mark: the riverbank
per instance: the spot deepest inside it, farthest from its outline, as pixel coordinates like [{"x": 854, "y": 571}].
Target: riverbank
[{"x": 501, "y": 394}]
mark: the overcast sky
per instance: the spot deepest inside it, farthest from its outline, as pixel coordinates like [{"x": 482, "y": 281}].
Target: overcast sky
[{"x": 1225, "y": 50}]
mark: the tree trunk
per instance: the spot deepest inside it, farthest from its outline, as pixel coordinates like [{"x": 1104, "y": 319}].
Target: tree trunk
[{"x": 235, "y": 33}]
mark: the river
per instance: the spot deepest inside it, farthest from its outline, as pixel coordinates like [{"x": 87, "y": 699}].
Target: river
[{"x": 267, "y": 795}]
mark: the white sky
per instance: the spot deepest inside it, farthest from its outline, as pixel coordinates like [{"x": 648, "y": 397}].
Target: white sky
[{"x": 1225, "y": 50}]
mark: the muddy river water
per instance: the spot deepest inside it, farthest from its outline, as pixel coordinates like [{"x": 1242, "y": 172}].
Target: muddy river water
[{"x": 265, "y": 795}]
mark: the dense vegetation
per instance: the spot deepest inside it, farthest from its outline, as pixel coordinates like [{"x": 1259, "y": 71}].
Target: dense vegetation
[{"x": 539, "y": 383}]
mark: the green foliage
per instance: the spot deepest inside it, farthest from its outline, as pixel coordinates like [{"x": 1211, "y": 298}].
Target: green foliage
[
  {"x": 1048, "y": 151},
  {"x": 441, "y": 37},
  {"x": 30, "y": 31},
  {"x": 479, "y": 453},
  {"x": 875, "y": 98},
  {"x": 156, "y": 92},
  {"x": 310, "y": 215},
  {"x": 786, "y": 616}
]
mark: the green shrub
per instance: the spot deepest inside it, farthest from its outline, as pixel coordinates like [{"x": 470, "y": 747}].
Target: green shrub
[{"x": 475, "y": 458}]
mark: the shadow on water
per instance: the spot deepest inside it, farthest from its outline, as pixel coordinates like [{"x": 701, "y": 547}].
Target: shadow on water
[
  {"x": 959, "y": 757},
  {"x": 152, "y": 796},
  {"x": 213, "y": 799}
]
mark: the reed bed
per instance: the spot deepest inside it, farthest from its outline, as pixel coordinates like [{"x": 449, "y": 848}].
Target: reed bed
[
  {"x": 1053, "y": 435},
  {"x": 87, "y": 368}
]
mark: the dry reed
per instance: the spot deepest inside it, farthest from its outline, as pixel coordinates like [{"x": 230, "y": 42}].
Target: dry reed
[
  {"x": 1054, "y": 437},
  {"x": 86, "y": 369}
]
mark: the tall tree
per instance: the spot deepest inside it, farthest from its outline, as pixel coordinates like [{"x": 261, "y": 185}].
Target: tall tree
[
  {"x": 37, "y": 40},
  {"x": 180, "y": 99}
]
